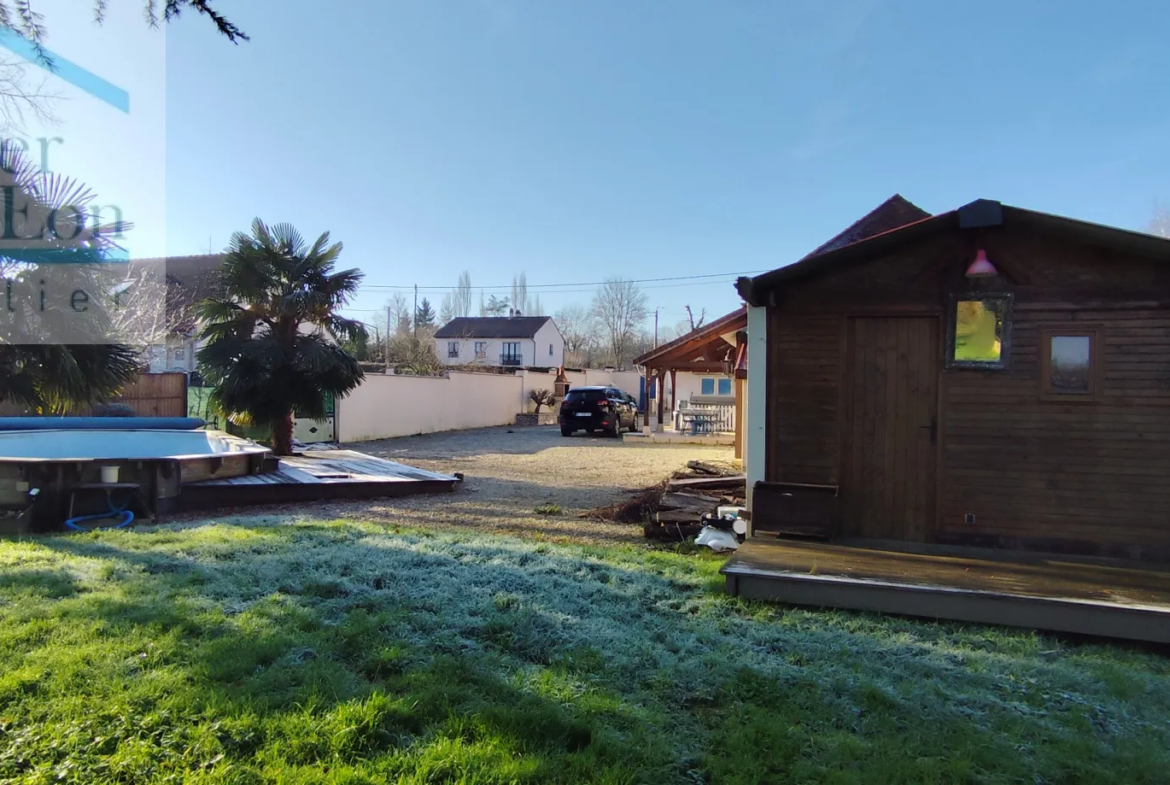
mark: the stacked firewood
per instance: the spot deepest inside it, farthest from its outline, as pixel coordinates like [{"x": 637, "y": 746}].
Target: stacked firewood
[{"x": 690, "y": 495}]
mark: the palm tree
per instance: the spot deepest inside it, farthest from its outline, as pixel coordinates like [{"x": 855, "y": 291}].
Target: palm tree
[
  {"x": 48, "y": 360},
  {"x": 273, "y": 333}
]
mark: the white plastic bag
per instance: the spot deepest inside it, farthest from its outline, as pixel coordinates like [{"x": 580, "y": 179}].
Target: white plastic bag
[{"x": 716, "y": 540}]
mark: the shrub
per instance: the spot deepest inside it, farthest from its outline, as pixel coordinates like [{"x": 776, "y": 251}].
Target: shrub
[
  {"x": 542, "y": 398},
  {"x": 113, "y": 410}
]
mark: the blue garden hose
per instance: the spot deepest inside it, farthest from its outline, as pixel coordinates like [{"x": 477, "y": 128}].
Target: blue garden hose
[{"x": 126, "y": 515}]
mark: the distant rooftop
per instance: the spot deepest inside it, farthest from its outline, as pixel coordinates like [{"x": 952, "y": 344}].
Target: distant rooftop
[{"x": 492, "y": 327}]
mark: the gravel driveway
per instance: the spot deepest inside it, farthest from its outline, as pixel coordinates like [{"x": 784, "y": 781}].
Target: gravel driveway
[{"x": 509, "y": 471}]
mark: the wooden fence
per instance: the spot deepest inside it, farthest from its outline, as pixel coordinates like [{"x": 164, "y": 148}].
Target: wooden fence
[{"x": 150, "y": 395}]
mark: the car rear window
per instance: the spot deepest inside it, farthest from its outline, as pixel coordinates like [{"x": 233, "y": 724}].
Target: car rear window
[{"x": 585, "y": 395}]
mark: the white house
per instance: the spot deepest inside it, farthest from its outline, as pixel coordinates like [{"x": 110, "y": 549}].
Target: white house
[{"x": 520, "y": 341}]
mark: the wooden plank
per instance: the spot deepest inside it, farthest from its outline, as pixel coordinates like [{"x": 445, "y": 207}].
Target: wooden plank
[{"x": 696, "y": 483}]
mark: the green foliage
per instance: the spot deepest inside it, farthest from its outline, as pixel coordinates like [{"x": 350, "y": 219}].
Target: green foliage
[
  {"x": 272, "y": 340},
  {"x": 357, "y": 347},
  {"x": 424, "y": 316},
  {"x": 278, "y": 651},
  {"x": 548, "y": 509}
]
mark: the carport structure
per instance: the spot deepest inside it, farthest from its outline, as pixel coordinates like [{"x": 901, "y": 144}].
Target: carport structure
[{"x": 719, "y": 347}]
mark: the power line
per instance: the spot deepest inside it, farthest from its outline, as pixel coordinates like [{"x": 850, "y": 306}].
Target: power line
[
  {"x": 591, "y": 291},
  {"x": 508, "y": 287}
]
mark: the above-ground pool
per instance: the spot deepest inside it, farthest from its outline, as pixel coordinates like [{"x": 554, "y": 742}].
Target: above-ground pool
[
  {"x": 121, "y": 445},
  {"x": 48, "y": 476}
]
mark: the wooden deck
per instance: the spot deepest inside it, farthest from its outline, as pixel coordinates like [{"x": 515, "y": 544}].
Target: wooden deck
[
  {"x": 317, "y": 475},
  {"x": 1037, "y": 591}
]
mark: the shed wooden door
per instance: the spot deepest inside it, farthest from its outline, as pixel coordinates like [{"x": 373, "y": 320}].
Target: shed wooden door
[{"x": 889, "y": 450}]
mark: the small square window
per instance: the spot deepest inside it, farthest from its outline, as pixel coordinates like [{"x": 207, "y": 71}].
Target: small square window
[
  {"x": 180, "y": 354},
  {"x": 1070, "y": 364},
  {"x": 979, "y": 331},
  {"x": 707, "y": 387},
  {"x": 725, "y": 386}
]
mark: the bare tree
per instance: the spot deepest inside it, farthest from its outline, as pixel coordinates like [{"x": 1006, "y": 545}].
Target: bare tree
[
  {"x": 576, "y": 326},
  {"x": 447, "y": 308},
  {"x": 24, "y": 96},
  {"x": 139, "y": 314},
  {"x": 461, "y": 297},
  {"x": 520, "y": 293},
  {"x": 1160, "y": 224},
  {"x": 619, "y": 307},
  {"x": 398, "y": 318},
  {"x": 691, "y": 317},
  {"x": 537, "y": 307}
]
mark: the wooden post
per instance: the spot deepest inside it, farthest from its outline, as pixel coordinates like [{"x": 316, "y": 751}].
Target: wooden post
[
  {"x": 739, "y": 404},
  {"x": 661, "y": 395},
  {"x": 673, "y": 394}
]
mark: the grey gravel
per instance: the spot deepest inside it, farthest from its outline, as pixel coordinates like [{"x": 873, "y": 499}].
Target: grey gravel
[{"x": 509, "y": 471}]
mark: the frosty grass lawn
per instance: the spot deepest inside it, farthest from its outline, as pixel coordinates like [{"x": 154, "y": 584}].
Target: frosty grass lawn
[{"x": 337, "y": 652}]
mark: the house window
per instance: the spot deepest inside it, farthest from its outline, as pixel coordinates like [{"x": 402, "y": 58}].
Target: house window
[
  {"x": 452, "y": 348},
  {"x": 481, "y": 349},
  {"x": 1070, "y": 364},
  {"x": 550, "y": 350},
  {"x": 979, "y": 331},
  {"x": 725, "y": 386},
  {"x": 180, "y": 354},
  {"x": 511, "y": 355},
  {"x": 707, "y": 387}
]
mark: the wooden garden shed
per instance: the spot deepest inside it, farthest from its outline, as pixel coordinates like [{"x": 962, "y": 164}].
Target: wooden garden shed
[{"x": 990, "y": 376}]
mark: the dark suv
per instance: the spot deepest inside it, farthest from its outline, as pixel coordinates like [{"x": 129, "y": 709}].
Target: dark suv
[{"x": 592, "y": 409}]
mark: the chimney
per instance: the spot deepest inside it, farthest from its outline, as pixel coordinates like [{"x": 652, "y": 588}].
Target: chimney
[{"x": 511, "y": 312}]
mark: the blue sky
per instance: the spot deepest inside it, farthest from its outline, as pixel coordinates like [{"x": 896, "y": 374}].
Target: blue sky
[{"x": 580, "y": 140}]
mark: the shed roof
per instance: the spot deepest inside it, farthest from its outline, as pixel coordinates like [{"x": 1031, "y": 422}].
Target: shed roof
[
  {"x": 981, "y": 213},
  {"x": 694, "y": 345},
  {"x": 492, "y": 327},
  {"x": 890, "y": 214}
]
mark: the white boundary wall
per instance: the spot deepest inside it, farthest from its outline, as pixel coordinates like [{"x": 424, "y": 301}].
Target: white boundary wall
[
  {"x": 627, "y": 381},
  {"x": 384, "y": 406}
]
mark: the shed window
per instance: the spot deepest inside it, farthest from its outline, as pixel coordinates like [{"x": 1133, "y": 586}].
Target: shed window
[
  {"x": 979, "y": 332},
  {"x": 1070, "y": 364},
  {"x": 707, "y": 387},
  {"x": 725, "y": 386}
]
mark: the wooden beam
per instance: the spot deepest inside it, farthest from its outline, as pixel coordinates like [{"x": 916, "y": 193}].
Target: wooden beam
[
  {"x": 674, "y": 389},
  {"x": 705, "y": 366}
]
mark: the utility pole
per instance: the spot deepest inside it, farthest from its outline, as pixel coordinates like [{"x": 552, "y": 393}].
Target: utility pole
[
  {"x": 389, "y": 327},
  {"x": 655, "y": 328},
  {"x": 414, "y": 316}
]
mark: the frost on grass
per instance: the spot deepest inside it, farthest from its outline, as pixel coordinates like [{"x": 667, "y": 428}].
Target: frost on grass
[{"x": 434, "y": 656}]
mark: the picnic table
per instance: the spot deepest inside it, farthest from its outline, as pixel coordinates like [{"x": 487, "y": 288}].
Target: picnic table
[{"x": 699, "y": 422}]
